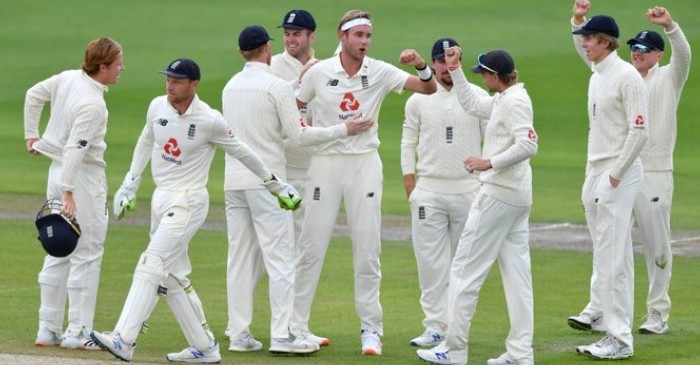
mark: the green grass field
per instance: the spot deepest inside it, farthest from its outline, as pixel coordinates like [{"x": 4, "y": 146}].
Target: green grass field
[{"x": 40, "y": 38}]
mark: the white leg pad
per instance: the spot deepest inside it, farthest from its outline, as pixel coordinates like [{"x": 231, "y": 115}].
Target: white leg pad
[
  {"x": 142, "y": 298},
  {"x": 188, "y": 310}
]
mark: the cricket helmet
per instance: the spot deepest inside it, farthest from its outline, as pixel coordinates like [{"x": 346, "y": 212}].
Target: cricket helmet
[{"x": 57, "y": 234}]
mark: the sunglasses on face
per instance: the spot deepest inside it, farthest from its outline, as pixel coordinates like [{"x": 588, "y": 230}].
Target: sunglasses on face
[
  {"x": 640, "y": 48},
  {"x": 478, "y": 62}
]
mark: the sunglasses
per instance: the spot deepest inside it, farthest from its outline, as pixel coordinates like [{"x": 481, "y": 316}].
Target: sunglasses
[
  {"x": 640, "y": 48},
  {"x": 478, "y": 62}
]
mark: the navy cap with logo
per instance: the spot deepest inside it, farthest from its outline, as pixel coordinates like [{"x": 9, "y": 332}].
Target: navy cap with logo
[
  {"x": 252, "y": 37},
  {"x": 648, "y": 38},
  {"x": 497, "y": 61},
  {"x": 58, "y": 234},
  {"x": 600, "y": 24},
  {"x": 298, "y": 19},
  {"x": 439, "y": 47},
  {"x": 183, "y": 68}
]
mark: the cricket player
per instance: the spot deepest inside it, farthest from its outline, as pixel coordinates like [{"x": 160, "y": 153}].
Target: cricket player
[
  {"x": 299, "y": 29},
  {"x": 497, "y": 228},
  {"x": 179, "y": 139},
  {"x": 440, "y": 134},
  {"x": 74, "y": 141},
  {"x": 346, "y": 86},
  {"x": 617, "y": 112},
  {"x": 652, "y": 208},
  {"x": 261, "y": 108}
]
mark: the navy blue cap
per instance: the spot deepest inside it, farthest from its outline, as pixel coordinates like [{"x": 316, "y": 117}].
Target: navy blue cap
[
  {"x": 252, "y": 37},
  {"x": 648, "y": 38},
  {"x": 496, "y": 61},
  {"x": 439, "y": 48},
  {"x": 183, "y": 68},
  {"x": 600, "y": 24},
  {"x": 298, "y": 19}
]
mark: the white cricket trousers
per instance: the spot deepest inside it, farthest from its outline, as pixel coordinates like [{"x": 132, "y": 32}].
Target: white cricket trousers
[
  {"x": 652, "y": 211},
  {"x": 175, "y": 218},
  {"x": 609, "y": 218},
  {"x": 437, "y": 222},
  {"x": 78, "y": 274},
  {"x": 260, "y": 237},
  {"x": 355, "y": 180},
  {"x": 297, "y": 178},
  {"x": 494, "y": 231}
]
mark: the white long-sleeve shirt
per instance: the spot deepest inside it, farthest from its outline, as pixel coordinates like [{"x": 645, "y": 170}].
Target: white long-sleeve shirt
[
  {"x": 441, "y": 134},
  {"x": 339, "y": 98},
  {"x": 181, "y": 147},
  {"x": 261, "y": 109},
  {"x": 77, "y": 125},
  {"x": 509, "y": 142},
  {"x": 617, "y": 113},
  {"x": 664, "y": 85},
  {"x": 288, "y": 68}
]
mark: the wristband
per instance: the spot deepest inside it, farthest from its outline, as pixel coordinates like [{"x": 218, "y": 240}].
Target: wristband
[{"x": 425, "y": 74}]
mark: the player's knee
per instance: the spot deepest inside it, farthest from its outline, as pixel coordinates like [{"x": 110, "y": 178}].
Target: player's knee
[{"x": 150, "y": 267}]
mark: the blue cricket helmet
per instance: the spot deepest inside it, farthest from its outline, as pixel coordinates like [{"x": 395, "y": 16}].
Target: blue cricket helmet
[{"x": 57, "y": 234}]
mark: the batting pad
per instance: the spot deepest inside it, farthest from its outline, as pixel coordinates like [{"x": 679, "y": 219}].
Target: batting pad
[
  {"x": 188, "y": 310},
  {"x": 142, "y": 298}
]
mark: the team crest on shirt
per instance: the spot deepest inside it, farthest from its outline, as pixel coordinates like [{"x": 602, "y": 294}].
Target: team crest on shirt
[
  {"x": 191, "y": 131},
  {"x": 172, "y": 152},
  {"x": 639, "y": 122}
]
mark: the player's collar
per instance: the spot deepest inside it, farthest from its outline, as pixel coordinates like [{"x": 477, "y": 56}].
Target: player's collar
[{"x": 364, "y": 69}]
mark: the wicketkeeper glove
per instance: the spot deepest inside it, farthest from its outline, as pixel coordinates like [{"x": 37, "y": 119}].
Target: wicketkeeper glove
[
  {"x": 288, "y": 197},
  {"x": 125, "y": 198}
]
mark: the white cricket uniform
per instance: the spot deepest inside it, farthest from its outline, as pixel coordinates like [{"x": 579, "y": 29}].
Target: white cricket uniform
[
  {"x": 652, "y": 209},
  {"x": 261, "y": 109},
  {"x": 441, "y": 135},
  {"x": 617, "y": 113},
  {"x": 180, "y": 149},
  {"x": 74, "y": 141},
  {"x": 288, "y": 68},
  {"x": 497, "y": 227},
  {"x": 347, "y": 170}
]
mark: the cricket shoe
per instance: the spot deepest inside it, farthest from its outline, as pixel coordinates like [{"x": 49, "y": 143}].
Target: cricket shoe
[
  {"x": 45, "y": 337},
  {"x": 293, "y": 345},
  {"x": 428, "y": 339},
  {"x": 608, "y": 348},
  {"x": 504, "y": 359},
  {"x": 654, "y": 325},
  {"x": 245, "y": 344},
  {"x": 438, "y": 355},
  {"x": 113, "y": 343},
  {"x": 80, "y": 342},
  {"x": 192, "y": 355},
  {"x": 371, "y": 343},
  {"x": 586, "y": 322},
  {"x": 310, "y": 337}
]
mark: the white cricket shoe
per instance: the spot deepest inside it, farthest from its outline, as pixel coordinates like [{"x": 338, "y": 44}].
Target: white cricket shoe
[
  {"x": 310, "y": 337},
  {"x": 371, "y": 343},
  {"x": 80, "y": 342},
  {"x": 428, "y": 339},
  {"x": 654, "y": 325},
  {"x": 438, "y": 355},
  {"x": 45, "y": 337},
  {"x": 608, "y": 348},
  {"x": 192, "y": 355},
  {"x": 504, "y": 359},
  {"x": 113, "y": 343},
  {"x": 294, "y": 345},
  {"x": 586, "y": 322},
  {"x": 245, "y": 344}
]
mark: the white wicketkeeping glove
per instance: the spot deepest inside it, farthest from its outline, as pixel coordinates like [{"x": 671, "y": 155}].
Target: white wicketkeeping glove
[
  {"x": 125, "y": 198},
  {"x": 288, "y": 197}
]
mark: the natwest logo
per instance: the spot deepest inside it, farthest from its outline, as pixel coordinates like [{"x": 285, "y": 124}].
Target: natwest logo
[
  {"x": 172, "y": 147},
  {"x": 349, "y": 103}
]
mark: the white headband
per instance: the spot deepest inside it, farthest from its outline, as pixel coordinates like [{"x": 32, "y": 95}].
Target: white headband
[{"x": 355, "y": 22}]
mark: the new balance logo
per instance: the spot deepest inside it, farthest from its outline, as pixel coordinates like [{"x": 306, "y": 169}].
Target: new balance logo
[
  {"x": 332, "y": 82},
  {"x": 441, "y": 355}
]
